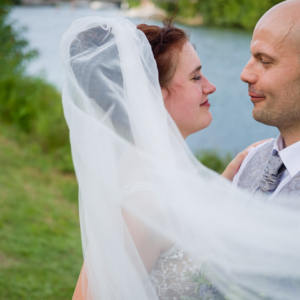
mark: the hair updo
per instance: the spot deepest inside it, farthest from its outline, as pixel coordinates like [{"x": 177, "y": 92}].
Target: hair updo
[{"x": 166, "y": 43}]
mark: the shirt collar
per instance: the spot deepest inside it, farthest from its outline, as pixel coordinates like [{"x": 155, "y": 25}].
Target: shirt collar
[{"x": 289, "y": 155}]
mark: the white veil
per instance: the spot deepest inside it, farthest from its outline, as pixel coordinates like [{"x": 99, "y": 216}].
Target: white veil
[{"x": 131, "y": 160}]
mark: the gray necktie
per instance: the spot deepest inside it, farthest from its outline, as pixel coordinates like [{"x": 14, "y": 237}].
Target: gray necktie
[{"x": 272, "y": 175}]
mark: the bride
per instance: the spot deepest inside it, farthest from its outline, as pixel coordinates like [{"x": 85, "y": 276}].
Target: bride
[{"x": 155, "y": 223}]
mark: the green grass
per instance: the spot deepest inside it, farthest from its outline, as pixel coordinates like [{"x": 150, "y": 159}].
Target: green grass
[{"x": 40, "y": 247}]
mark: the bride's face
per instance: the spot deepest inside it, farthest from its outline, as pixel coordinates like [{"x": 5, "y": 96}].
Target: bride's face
[{"x": 186, "y": 98}]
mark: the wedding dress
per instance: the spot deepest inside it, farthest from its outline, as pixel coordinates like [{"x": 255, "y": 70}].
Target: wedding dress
[
  {"x": 169, "y": 276},
  {"x": 132, "y": 164},
  {"x": 172, "y": 274}
]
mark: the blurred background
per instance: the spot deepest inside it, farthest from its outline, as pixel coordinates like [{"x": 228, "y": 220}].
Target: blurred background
[{"x": 40, "y": 247}]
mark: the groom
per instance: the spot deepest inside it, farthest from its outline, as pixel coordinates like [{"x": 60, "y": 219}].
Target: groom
[{"x": 273, "y": 77}]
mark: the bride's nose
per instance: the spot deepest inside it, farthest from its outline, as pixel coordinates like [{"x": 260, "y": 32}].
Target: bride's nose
[{"x": 208, "y": 88}]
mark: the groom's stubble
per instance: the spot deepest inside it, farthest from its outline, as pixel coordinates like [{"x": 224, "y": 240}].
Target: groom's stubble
[{"x": 281, "y": 110}]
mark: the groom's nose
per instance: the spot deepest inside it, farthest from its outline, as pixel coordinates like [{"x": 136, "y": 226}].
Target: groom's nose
[{"x": 248, "y": 75}]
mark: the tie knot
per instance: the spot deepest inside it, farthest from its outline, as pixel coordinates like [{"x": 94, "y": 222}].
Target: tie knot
[
  {"x": 274, "y": 165},
  {"x": 272, "y": 174}
]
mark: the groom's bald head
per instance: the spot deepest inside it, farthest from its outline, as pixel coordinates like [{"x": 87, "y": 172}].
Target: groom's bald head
[
  {"x": 273, "y": 72},
  {"x": 283, "y": 22}
]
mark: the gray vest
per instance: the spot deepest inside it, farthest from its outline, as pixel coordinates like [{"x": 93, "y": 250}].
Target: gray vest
[{"x": 252, "y": 174}]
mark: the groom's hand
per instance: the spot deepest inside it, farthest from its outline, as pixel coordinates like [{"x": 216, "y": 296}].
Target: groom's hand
[{"x": 235, "y": 164}]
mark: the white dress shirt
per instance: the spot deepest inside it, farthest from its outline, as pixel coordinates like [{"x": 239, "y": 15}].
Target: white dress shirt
[{"x": 290, "y": 156}]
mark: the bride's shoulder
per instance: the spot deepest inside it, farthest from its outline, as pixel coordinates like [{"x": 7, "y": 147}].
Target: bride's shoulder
[{"x": 132, "y": 176}]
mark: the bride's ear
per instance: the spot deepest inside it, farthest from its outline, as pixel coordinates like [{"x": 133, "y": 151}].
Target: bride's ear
[{"x": 165, "y": 93}]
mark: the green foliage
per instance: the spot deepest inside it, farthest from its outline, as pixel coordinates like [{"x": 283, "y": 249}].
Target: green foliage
[
  {"x": 14, "y": 50},
  {"x": 30, "y": 103},
  {"x": 238, "y": 13},
  {"x": 230, "y": 13},
  {"x": 40, "y": 249},
  {"x": 213, "y": 160},
  {"x": 134, "y": 3}
]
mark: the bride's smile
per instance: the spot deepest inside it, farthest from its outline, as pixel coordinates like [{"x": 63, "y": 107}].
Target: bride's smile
[{"x": 186, "y": 96}]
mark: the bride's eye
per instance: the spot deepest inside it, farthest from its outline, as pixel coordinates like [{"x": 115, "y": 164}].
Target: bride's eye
[{"x": 198, "y": 77}]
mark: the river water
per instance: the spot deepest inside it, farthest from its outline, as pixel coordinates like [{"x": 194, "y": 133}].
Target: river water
[{"x": 223, "y": 53}]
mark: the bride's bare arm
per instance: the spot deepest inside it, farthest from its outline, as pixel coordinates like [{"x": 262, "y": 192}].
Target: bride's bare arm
[
  {"x": 148, "y": 244},
  {"x": 79, "y": 290},
  {"x": 147, "y": 241},
  {"x": 235, "y": 164}
]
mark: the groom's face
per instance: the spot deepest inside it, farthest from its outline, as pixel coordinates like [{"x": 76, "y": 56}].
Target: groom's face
[{"x": 273, "y": 75}]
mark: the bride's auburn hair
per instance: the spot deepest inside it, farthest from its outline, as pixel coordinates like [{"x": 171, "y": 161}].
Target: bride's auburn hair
[{"x": 166, "y": 43}]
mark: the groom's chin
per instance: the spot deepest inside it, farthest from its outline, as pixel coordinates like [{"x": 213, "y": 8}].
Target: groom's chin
[
  {"x": 263, "y": 116},
  {"x": 259, "y": 115}
]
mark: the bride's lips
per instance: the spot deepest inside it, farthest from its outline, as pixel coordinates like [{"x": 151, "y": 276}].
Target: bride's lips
[{"x": 206, "y": 103}]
